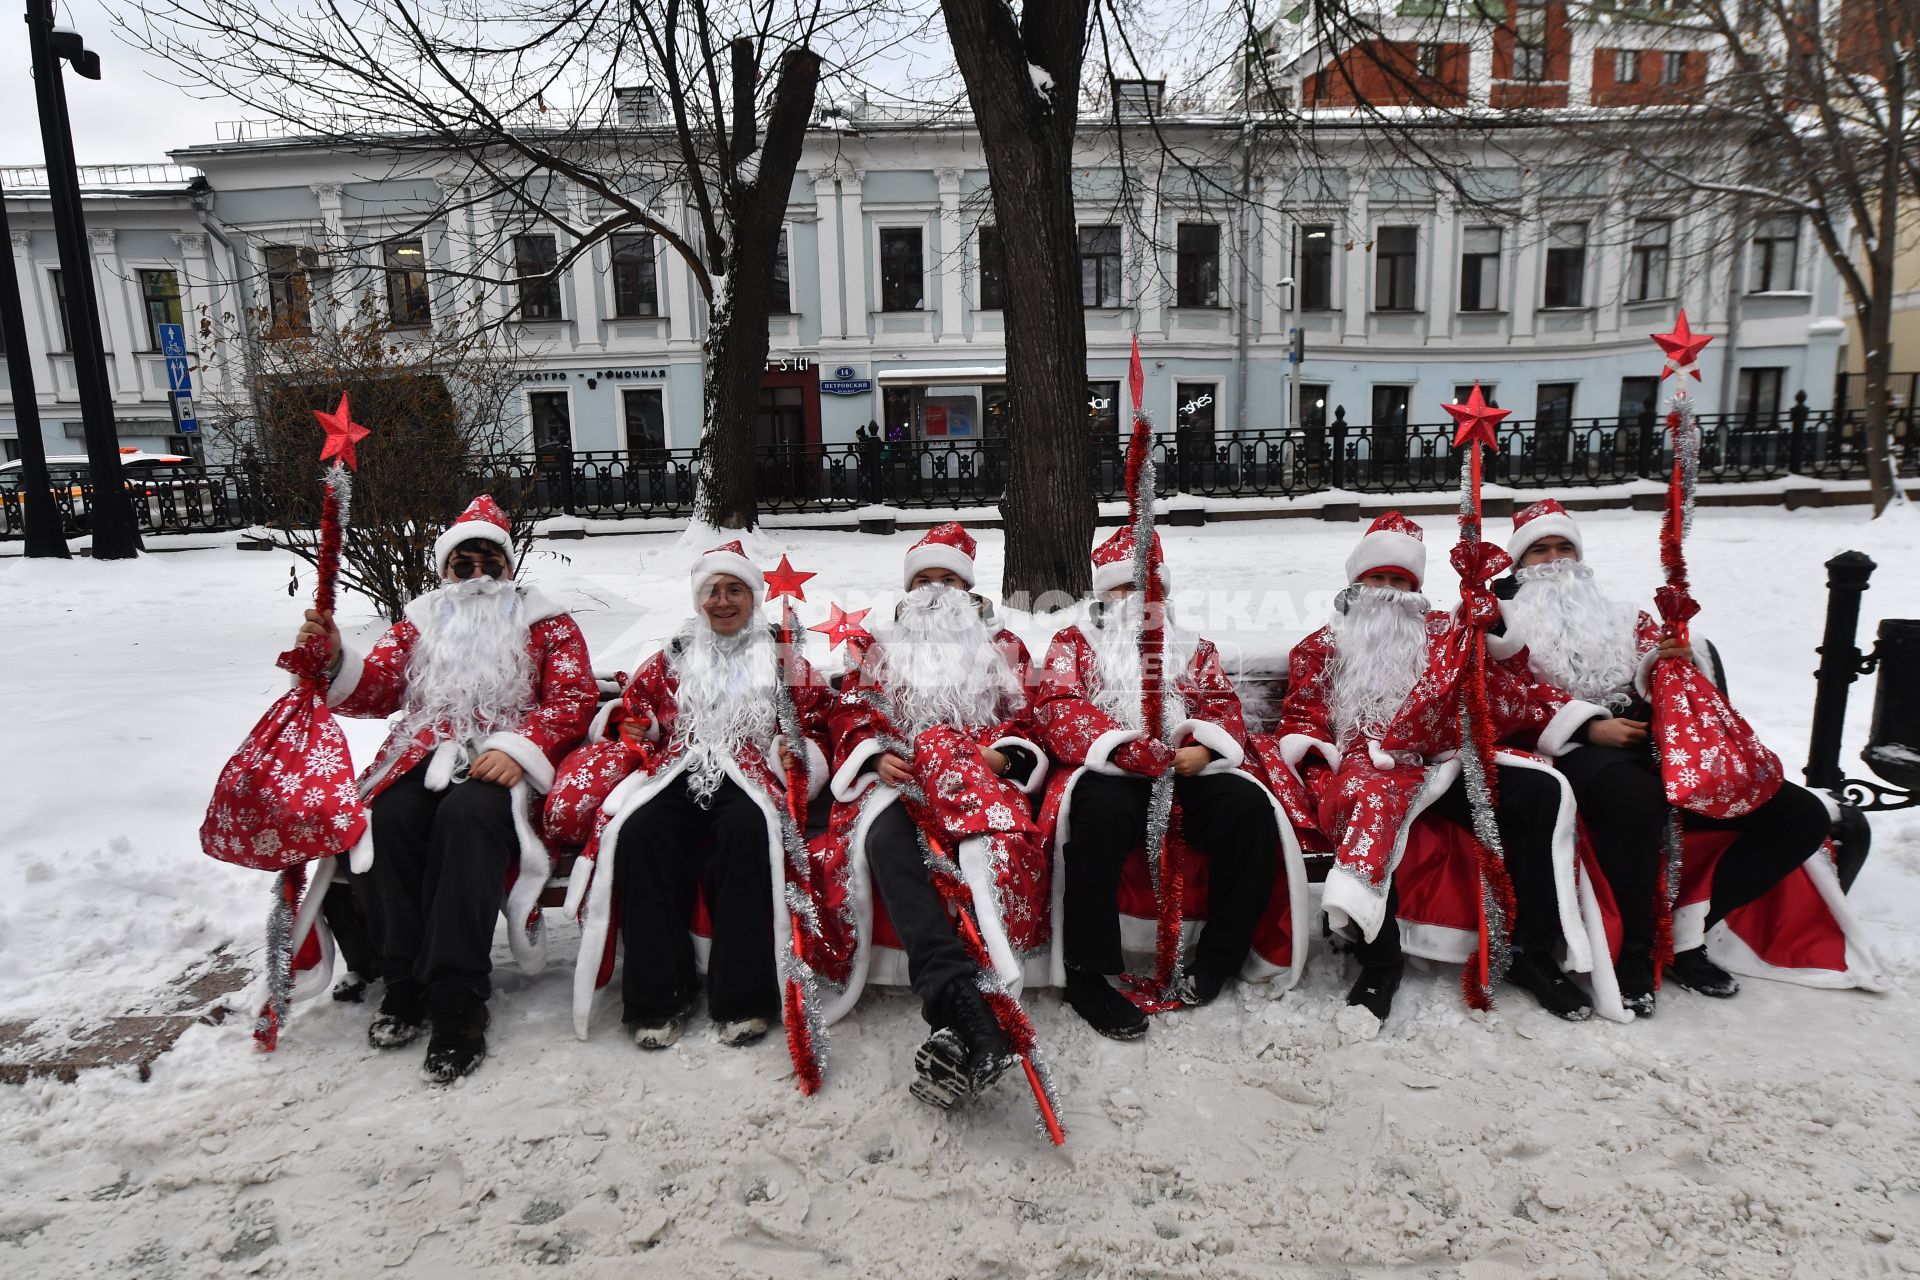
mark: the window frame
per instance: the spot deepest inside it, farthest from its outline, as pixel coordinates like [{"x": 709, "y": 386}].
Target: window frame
[
  {"x": 63, "y": 321},
  {"x": 529, "y": 394},
  {"x": 1530, "y": 46},
  {"x": 1386, "y": 270},
  {"x": 782, "y": 282},
  {"x": 1118, "y": 255},
  {"x": 1302, "y": 237},
  {"x": 389, "y": 272},
  {"x": 626, "y": 425},
  {"x": 1208, "y": 262},
  {"x": 1673, "y": 67},
  {"x": 1550, "y": 277},
  {"x": 1214, "y": 386},
  {"x": 1112, "y": 413},
  {"x": 881, "y": 235},
  {"x": 1766, "y": 249},
  {"x": 997, "y": 277},
  {"x": 1641, "y": 255},
  {"x": 148, "y": 298},
  {"x": 554, "y": 296},
  {"x": 1469, "y": 260},
  {"x": 1555, "y": 424},
  {"x": 1627, "y": 60},
  {"x": 645, "y": 267},
  {"x": 289, "y": 291}
]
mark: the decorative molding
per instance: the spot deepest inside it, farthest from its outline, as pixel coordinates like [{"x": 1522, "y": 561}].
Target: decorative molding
[
  {"x": 949, "y": 179},
  {"x": 191, "y": 242},
  {"x": 22, "y": 239},
  {"x": 327, "y": 192},
  {"x": 102, "y": 238}
]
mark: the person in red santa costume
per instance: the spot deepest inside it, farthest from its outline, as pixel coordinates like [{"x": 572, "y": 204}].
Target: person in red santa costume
[
  {"x": 701, "y": 813},
  {"x": 1557, "y": 620},
  {"x": 1372, "y": 731},
  {"x": 1088, "y": 716},
  {"x": 937, "y": 705},
  {"x": 492, "y": 685}
]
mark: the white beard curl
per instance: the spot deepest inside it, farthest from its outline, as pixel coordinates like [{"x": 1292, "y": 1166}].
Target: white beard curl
[
  {"x": 1577, "y": 639},
  {"x": 1117, "y": 646},
  {"x": 470, "y": 669},
  {"x": 725, "y": 700},
  {"x": 1380, "y": 652},
  {"x": 942, "y": 666}
]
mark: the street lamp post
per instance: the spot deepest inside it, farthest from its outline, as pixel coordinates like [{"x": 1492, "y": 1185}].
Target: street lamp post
[
  {"x": 42, "y": 518},
  {"x": 109, "y": 513}
]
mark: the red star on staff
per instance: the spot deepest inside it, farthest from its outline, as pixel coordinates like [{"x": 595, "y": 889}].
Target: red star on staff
[
  {"x": 785, "y": 581},
  {"x": 1683, "y": 348},
  {"x": 841, "y": 626},
  {"x": 343, "y": 433},
  {"x": 1475, "y": 420}
]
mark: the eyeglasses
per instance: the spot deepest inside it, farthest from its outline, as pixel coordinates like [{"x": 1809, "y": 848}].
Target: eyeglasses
[{"x": 492, "y": 566}]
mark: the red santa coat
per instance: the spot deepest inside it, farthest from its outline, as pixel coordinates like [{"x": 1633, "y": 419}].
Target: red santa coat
[
  {"x": 1203, "y": 710},
  {"x": 984, "y": 821},
  {"x": 612, "y": 782},
  {"x": 1362, "y": 796},
  {"x": 1802, "y": 930},
  {"x": 374, "y": 686}
]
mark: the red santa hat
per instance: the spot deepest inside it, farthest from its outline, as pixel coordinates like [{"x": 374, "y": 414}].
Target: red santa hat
[
  {"x": 946, "y": 546},
  {"x": 1113, "y": 562},
  {"x": 482, "y": 521},
  {"x": 1391, "y": 542},
  {"x": 731, "y": 559},
  {"x": 1544, "y": 519}
]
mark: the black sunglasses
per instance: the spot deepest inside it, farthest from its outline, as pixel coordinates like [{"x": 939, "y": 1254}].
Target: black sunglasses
[{"x": 492, "y": 566}]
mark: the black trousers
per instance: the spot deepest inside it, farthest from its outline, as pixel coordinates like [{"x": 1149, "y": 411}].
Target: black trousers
[
  {"x": 1624, "y": 807},
  {"x": 935, "y": 954},
  {"x": 1527, "y": 805},
  {"x": 1224, "y": 815},
  {"x": 439, "y": 871},
  {"x": 668, "y": 852}
]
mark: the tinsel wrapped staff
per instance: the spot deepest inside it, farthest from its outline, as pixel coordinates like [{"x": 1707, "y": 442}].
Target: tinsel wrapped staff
[
  {"x": 1692, "y": 722},
  {"x": 1478, "y": 562},
  {"x": 800, "y": 1002},
  {"x": 1163, "y": 856},
  {"x": 288, "y": 797}
]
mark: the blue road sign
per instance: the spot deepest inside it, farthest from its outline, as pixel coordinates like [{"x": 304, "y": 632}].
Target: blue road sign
[
  {"x": 178, "y": 379},
  {"x": 173, "y": 345},
  {"x": 173, "y": 341}
]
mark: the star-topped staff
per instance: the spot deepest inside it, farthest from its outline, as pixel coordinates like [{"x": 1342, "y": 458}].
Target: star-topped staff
[
  {"x": 806, "y": 1031},
  {"x": 842, "y": 627},
  {"x": 1477, "y": 562},
  {"x": 1682, "y": 348},
  {"x": 343, "y": 433}
]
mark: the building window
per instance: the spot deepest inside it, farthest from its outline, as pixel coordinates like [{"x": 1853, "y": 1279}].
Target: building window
[
  {"x": 1396, "y": 256},
  {"x": 1315, "y": 272},
  {"x": 1566, "y": 264},
  {"x": 1639, "y": 400},
  {"x": 1647, "y": 273},
  {"x": 535, "y": 260},
  {"x": 993, "y": 268},
  {"x": 903, "y": 275},
  {"x": 636, "y": 286},
  {"x": 1427, "y": 60},
  {"x": 1553, "y": 406},
  {"x": 1673, "y": 67},
  {"x": 57, "y": 283},
  {"x": 161, "y": 292},
  {"x": 780, "y": 301},
  {"x": 1530, "y": 40},
  {"x": 646, "y": 412},
  {"x": 1103, "y": 408},
  {"x": 1626, "y": 66},
  {"x": 1463, "y": 390},
  {"x": 288, "y": 300},
  {"x": 552, "y": 419},
  {"x": 1196, "y": 406},
  {"x": 1480, "y": 269},
  {"x": 1099, "y": 266},
  {"x": 1774, "y": 243},
  {"x": 406, "y": 267},
  {"x": 1197, "y": 268},
  {"x": 1757, "y": 400}
]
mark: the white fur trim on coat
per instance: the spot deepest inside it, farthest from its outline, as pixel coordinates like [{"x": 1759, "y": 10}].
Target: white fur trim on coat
[
  {"x": 353, "y": 665},
  {"x": 1100, "y": 753},
  {"x": 854, "y": 775},
  {"x": 1205, "y": 733},
  {"x": 1553, "y": 524},
  {"x": 1296, "y": 747},
  {"x": 1644, "y": 672},
  {"x": 937, "y": 555},
  {"x": 531, "y": 759},
  {"x": 1863, "y": 967},
  {"x": 1037, "y": 776},
  {"x": 526, "y": 934},
  {"x": 1558, "y": 735},
  {"x": 1386, "y": 547},
  {"x": 308, "y": 983}
]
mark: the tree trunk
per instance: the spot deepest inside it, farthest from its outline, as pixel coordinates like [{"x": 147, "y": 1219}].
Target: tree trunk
[
  {"x": 736, "y": 345},
  {"x": 1028, "y": 136}
]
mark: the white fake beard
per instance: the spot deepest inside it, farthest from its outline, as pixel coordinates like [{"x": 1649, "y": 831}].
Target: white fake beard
[
  {"x": 725, "y": 699},
  {"x": 942, "y": 666},
  {"x": 1380, "y": 651},
  {"x": 1577, "y": 639},
  {"x": 470, "y": 668},
  {"x": 1118, "y": 651}
]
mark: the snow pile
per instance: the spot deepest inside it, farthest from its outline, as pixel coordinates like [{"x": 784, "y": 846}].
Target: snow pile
[{"x": 1768, "y": 1136}]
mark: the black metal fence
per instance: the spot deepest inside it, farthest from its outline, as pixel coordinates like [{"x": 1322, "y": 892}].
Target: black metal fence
[{"x": 1376, "y": 459}]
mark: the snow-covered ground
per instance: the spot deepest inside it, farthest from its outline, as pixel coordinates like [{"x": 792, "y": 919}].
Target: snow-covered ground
[{"x": 1771, "y": 1135}]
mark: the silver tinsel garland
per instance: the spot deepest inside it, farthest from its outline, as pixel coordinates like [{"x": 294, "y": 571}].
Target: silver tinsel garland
[
  {"x": 798, "y": 893},
  {"x": 1486, "y": 829},
  {"x": 273, "y": 1015},
  {"x": 1160, "y": 794}
]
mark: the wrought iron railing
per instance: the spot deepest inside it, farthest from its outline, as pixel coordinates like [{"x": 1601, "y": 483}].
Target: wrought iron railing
[{"x": 1278, "y": 463}]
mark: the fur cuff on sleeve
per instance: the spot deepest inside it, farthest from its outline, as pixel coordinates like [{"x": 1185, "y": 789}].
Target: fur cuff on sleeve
[
  {"x": 532, "y": 759},
  {"x": 1557, "y": 737},
  {"x": 352, "y": 666},
  {"x": 854, "y": 775},
  {"x": 1100, "y": 753},
  {"x": 1205, "y": 733},
  {"x": 1036, "y": 776},
  {"x": 1296, "y": 747}
]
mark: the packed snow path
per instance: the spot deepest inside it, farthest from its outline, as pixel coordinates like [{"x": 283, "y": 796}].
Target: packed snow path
[{"x": 1771, "y": 1135}]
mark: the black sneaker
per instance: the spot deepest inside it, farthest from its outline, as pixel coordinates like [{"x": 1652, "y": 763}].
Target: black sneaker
[
  {"x": 1373, "y": 989},
  {"x": 963, "y": 1008},
  {"x": 941, "y": 1078},
  {"x": 1556, "y": 993},
  {"x": 402, "y": 1016},
  {"x": 1692, "y": 970},
  {"x": 459, "y": 1041},
  {"x": 1105, "y": 1010},
  {"x": 1634, "y": 972},
  {"x": 1199, "y": 986}
]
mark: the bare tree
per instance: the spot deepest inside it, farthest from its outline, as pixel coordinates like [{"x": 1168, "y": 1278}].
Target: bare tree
[
  {"x": 1735, "y": 112},
  {"x": 681, "y": 119}
]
